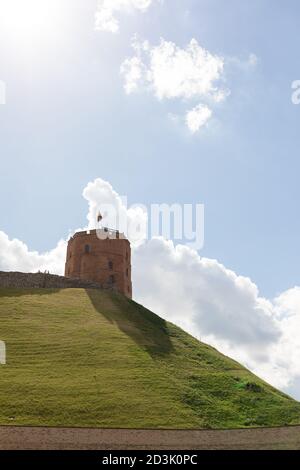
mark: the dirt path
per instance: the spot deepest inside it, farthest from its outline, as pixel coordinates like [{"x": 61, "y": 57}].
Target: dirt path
[{"x": 23, "y": 438}]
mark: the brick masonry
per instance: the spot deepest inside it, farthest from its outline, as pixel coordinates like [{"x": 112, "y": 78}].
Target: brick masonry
[{"x": 101, "y": 256}]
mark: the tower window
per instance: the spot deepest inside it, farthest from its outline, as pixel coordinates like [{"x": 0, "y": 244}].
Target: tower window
[
  {"x": 87, "y": 249},
  {"x": 127, "y": 272},
  {"x": 111, "y": 279},
  {"x": 111, "y": 265}
]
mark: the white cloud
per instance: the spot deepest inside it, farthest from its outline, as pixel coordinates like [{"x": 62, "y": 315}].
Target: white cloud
[
  {"x": 210, "y": 301},
  {"x": 100, "y": 194},
  {"x": 221, "y": 308},
  {"x": 106, "y": 18},
  {"x": 243, "y": 64},
  {"x": 103, "y": 198},
  {"x": 133, "y": 70},
  {"x": 198, "y": 117},
  {"x": 15, "y": 256},
  {"x": 171, "y": 72}
]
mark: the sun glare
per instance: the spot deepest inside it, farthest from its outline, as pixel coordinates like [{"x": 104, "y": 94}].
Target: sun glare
[{"x": 28, "y": 20}]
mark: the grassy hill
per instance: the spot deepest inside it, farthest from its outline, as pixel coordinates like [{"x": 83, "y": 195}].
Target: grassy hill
[{"x": 80, "y": 357}]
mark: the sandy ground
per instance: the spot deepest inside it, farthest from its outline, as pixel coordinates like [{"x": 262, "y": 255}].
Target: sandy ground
[{"x": 25, "y": 438}]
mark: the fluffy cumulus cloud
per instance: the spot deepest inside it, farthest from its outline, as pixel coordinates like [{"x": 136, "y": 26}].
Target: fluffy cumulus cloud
[
  {"x": 106, "y": 18},
  {"x": 198, "y": 117},
  {"x": 204, "y": 297},
  {"x": 170, "y": 72},
  {"x": 216, "y": 305},
  {"x": 15, "y": 256},
  {"x": 102, "y": 198}
]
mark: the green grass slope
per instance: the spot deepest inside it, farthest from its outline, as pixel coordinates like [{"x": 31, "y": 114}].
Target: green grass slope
[{"x": 88, "y": 358}]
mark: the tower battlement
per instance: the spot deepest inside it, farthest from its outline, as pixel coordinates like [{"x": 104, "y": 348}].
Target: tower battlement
[{"x": 102, "y": 256}]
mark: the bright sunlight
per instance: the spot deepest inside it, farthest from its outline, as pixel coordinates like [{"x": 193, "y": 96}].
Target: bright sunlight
[{"x": 28, "y": 20}]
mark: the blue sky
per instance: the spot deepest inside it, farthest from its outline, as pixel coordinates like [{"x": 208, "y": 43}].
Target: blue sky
[{"x": 68, "y": 120}]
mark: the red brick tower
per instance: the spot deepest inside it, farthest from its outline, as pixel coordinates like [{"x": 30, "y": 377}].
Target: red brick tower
[{"x": 102, "y": 256}]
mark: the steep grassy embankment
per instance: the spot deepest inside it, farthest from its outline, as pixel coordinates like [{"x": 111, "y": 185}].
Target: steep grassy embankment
[{"x": 89, "y": 358}]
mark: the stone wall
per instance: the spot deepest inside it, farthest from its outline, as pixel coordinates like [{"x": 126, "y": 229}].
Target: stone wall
[{"x": 42, "y": 281}]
